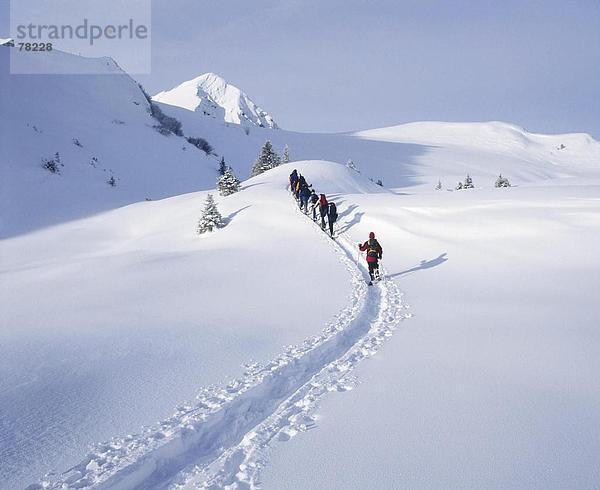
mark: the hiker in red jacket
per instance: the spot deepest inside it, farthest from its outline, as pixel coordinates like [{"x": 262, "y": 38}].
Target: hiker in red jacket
[
  {"x": 323, "y": 206},
  {"x": 374, "y": 254}
]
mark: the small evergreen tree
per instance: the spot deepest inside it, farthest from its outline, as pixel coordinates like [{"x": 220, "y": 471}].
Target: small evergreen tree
[
  {"x": 468, "y": 183},
  {"x": 286, "y": 155},
  {"x": 379, "y": 182},
  {"x": 112, "y": 182},
  {"x": 228, "y": 183},
  {"x": 438, "y": 187},
  {"x": 459, "y": 186},
  {"x": 211, "y": 218},
  {"x": 222, "y": 166},
  {"x": 267, "y": 160},
  {"x": 502, "y": 182}
]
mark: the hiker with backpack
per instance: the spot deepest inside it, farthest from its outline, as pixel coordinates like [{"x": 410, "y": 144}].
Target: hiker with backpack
[
  {"x": 297, "y": 190},
  {"x": 332, "y": 216},
  {"x": 313, "y": 202},
  {"x": 374, "y": 255},
  {"x": 323, "y": 207},
  {"x": 304, "y": 195},
  {"x": 293, "y": 180}
]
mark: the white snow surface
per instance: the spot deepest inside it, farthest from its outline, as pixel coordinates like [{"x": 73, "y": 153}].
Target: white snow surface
[
  {"x": 493, "y": 381},
  {"x": 115, "y": 314},
  {"x": 210, "y": 95},
  {"x": 113, "y": 321}
]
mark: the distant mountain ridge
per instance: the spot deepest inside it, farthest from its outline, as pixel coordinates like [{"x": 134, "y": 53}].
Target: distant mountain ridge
[{"x": 212, "y": 96}]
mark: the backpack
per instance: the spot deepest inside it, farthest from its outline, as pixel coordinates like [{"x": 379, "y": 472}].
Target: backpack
[
  {"x": 314, "y": 198},
  {"x": 332, "y": 211},
  {"x": 373, "y": 249}
]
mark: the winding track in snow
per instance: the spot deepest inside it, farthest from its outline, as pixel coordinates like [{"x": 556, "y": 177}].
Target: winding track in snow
[{"x": 222, "y": 440}]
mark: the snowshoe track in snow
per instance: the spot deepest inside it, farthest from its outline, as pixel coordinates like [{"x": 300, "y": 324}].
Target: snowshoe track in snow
[{"x": 222, "y": 441}]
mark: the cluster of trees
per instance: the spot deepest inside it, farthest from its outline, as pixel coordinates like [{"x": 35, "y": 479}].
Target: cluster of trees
[
  {"x": 228, "y": 183},
  {"x": 468, "y": 183}
]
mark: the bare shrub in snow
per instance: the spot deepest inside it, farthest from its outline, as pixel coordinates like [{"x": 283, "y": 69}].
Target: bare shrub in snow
[
  {"x": 438, "y": 187},
  {"x": 52, "y": 164},
  {"x": 112, "y": 181},
  {"x": 459, "y": 186},
  {"x": 201, "y": 144},
  {"x": 166, "y": 124},
  {"x": 77, "y": 143},
  {"x": 211, "y": 219}
]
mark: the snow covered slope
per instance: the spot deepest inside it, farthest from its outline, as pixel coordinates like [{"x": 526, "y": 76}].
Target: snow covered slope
[
  {"x": 113, "y": 321},
  {"x": 486, "y": 364},
  {"x": 493, "y": 381},
  {"x": 417, "y": 155},
  {"x": 566, "y": 150},
  {"x": 100, "y": 127},
  {"x": 212, "y": 96},
  {"x": 115, "y": 313}
]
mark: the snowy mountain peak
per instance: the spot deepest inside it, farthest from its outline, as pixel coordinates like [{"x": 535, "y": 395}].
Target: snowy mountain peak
[{"x": 213, "y": 96}]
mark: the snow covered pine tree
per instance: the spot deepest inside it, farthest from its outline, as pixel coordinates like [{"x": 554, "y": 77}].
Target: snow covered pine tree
[
  {"x": 222, "y": 166},
  {"x": 286, "y": 155},
  {"x": 228, "y": 183},
  {"x": 211, "y": 218},
  {"x": 267, "y": 160},
  {"x": 502, "y": 182},
  {"x": 468, "y": 183}
]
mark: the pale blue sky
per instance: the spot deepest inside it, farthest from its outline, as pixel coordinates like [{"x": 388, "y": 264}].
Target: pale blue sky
[{"x": 332, "y": 65}]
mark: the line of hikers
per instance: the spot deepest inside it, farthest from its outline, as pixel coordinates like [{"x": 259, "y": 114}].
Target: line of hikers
[{"x": 307, "y": 199}]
